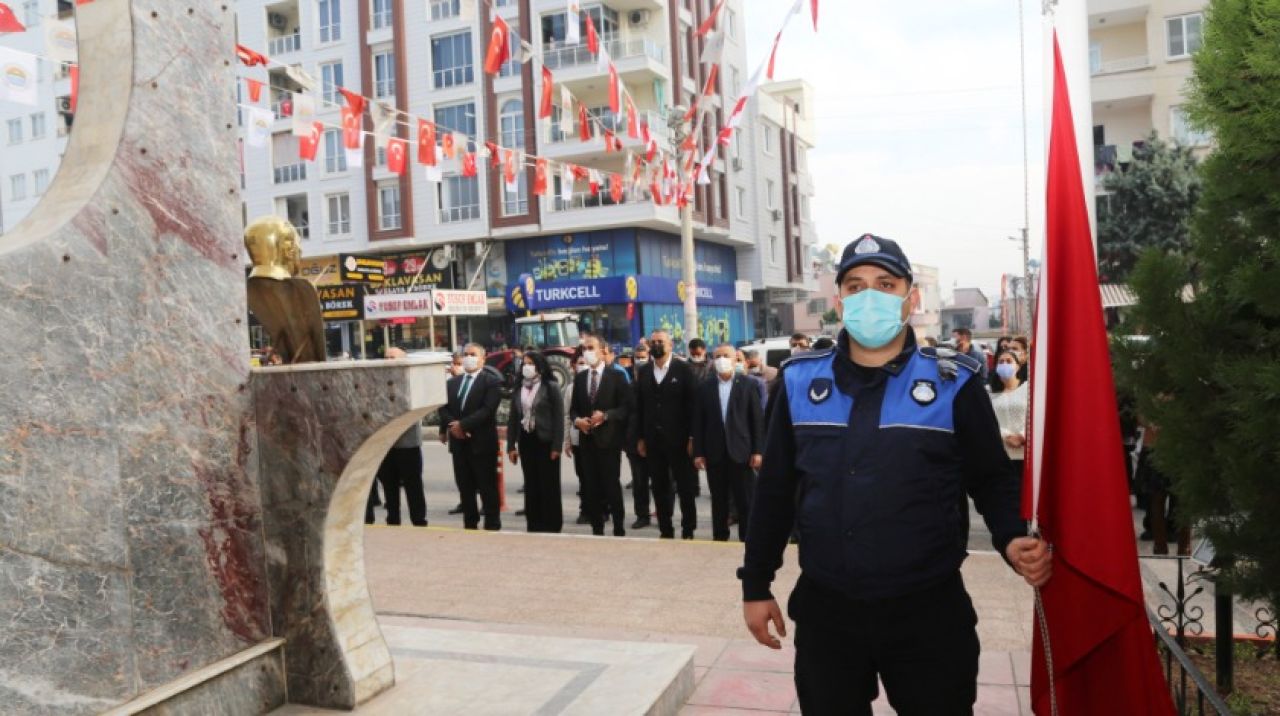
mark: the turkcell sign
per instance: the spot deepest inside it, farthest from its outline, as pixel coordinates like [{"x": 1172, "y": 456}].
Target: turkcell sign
[
  {"x": 562, "y": 294},
  {"x": 574, "y": 293}
]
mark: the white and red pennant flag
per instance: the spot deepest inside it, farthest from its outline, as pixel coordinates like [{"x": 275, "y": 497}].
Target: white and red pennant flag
[
  {"x": 573, "y": 23},
  {"x": 9, "y": 21},
  {"x": 499, "y": 52},
  {"x": 1075, "y": 488}
]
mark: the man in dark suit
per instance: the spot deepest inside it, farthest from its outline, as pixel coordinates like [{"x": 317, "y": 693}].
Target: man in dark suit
[
  {"x": 664, "y": 392},
  {"x": 600, "y": 409},
  {"x": 728, "y": 440},
  {"x": 469, "y": 421}
]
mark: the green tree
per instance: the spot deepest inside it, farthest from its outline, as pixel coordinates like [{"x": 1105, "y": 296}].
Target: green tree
[
  {"x": 831, "y": 317},
  {"x": 1210, "y": 375},
  {"x": 1148, "y": 205}
]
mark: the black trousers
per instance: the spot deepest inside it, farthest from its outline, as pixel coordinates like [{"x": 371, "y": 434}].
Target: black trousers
[
  {"x": 729, "y": 479},
  {"x": 923, "y": 646},
  {"x": 543, "y": 511},
  {"x": 670, "y": 466},
  {"x": 401, "y": 468},
  {"x": 478, "y": 473},
  {"x": 639, "y": 486},
  {"x": 601, "y": 487}
]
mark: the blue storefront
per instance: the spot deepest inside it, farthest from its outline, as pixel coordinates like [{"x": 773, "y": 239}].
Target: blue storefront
[{"x": 626, "y": 283}]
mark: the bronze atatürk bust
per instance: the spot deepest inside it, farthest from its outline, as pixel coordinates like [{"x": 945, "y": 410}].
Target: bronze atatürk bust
[{"x": 288, "y": 307}]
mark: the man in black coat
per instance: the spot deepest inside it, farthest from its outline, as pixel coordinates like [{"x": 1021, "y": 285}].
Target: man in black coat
[
  {"x": 664, "y": 392},
  {"x": 601, "y": 406},
  {"x": 469, "y": 420},
  {"x": 728, "y": 440}
]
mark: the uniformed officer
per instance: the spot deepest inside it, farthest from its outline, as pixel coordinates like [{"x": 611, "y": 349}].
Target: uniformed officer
[{"x": 868, "y": 448}]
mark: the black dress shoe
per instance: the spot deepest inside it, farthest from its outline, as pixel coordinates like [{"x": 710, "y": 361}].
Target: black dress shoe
[
  {"x": 686, "y": 535},
  {"x": 584, "y": 520},
  {"x": 457, "y": 510},
  {"x": 519, "y": 513},
  {"x": 619, "y": 532},
  {"x": 667, "y": 535},
  {"x": 640, "y": 523}
]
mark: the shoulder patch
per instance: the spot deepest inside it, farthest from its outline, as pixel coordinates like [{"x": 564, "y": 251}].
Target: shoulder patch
[
  {"x": 807, "y": 355},
  {"x": 967, "y": 362},
  {"x": 960, "y": 359}
]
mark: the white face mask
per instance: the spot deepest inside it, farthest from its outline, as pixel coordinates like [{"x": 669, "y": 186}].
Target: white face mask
[
  {"x": 529, "y": 371},
  {"x": 641, "y": 361},
  {"x": 470, "y": 364},
  {"x": 591, "y": 357},
  {"x": 724, "y": 365}
]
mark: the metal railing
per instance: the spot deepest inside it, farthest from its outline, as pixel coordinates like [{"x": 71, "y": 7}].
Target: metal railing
[
  {"x": 290, "y": 173},
  {"x": 556, "y": 55},
  {"x": 284, "y": 44},
  {"x": 1125, "y": 64},
  {"x": 1191, "y": 691},
  {"x": 454, "y": 214},
  {"x": 603, "y": 199},
  {"x": 616, "y": 123}
]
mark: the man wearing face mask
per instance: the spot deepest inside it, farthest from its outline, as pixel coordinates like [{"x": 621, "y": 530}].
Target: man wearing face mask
[
  {"x": 600, "y": 409},
  {"x": 698, "y": 360},
  {"x": 664, "y": 391},
  {"x": 469, "y": 421},
  {"x": 868, "y": 448},
  {"x": 728, "y": 438}
]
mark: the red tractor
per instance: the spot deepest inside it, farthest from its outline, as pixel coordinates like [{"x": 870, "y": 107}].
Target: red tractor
[{"x": 555, "y": 334}]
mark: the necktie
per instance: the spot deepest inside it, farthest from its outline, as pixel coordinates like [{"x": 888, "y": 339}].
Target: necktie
[
  {"x": 466, "y": 388},
  {"x": 595, "y": 383}
]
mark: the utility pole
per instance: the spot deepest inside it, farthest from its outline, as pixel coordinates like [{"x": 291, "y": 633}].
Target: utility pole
[
  {"x": 1024, "y": 311},
  {"x": 679, "y": 132}
]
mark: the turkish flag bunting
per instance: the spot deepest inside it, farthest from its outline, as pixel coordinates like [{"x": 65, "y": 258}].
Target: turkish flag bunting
[
  {"x": 255, "y": 89},
  {"x": 396, "y": 155},
  {"x": 633, "y": 119},
  {"x": 710, "y": 23},
  {"x": 709, "y": 88},
  {"x": 447, "y": 147},
  {"x": 540, "y": 177},
  {"x": 615, "y": 188},
  {"x": 509, "y": 166},
  {"x": 499, "y": 46},
  {"x": 247, "y": 56},
  {"x": 9, "y": 21},
  {"x": 655, "y": 191},
  {"x": 593, "y": 182},
  {"x": 773, "y": 55},
  {"x": 608, "y": 141},
  {"x": 584, "y": 125},
  {"x": 548, "y": 89},
  {"x": 1075, "y": 487},
  {"x": 613, "y": 88},
  {"x": 580, "y": 173},
  {"x": 426, "y": 143},
  {"x": 354, "y": 101},
  {"x": 495, "y": 155},
  {"x": 469, "y": 164},
  {"x": 310, "y": 142},
  {"x": 593, "y": 40},
  {"x": 351, "y": 134},
  {"x": 814, "y": 5},
  {"x": 74, "y": 70}
]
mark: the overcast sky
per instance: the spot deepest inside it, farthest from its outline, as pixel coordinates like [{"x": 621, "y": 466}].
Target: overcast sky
[{"x": 919, "y": 129}]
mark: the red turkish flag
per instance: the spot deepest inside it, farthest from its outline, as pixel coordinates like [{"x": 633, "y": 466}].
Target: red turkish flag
[
  {"x": 247, "y": 56},
  {"x": 593, "y": 182},
  {"x": 469, "y": 164},
  {"x": 1104, "y": 659},
  {"x": 633, "y": 119},
  {"x": 74, "y": 70},
  {"x": 447, "y": 146},
  {"x": 608, "y": 141},
  {"x": 709, "y": 88},
  {"x": 354, "y": 101},
  {"x": 615, "y": 188},
  {"x": 426, "y": 143},
  {"x": 499, "y": 46},
  {"x": 495, "y": 154},
  {"x": 540, "y": 177},
  {"x": 548, "y": 85},
  {"x": 710, "y": 23},
  {"x": 351, "y": 134},
  {"x": 509, "y": 166},
  {"x": 397, "y": 158},
  {"x": 613, "y": 88},
  {"x": 255, "y": 90},
  {"x": 584, "y": 124},
  {"x": 593, "y": 40},
  {"x": 655, "y": 191},
  {"x": 9, "y": 21},
  {"x": 309, "y": 143},
  {"x": 773, "y": 54}
]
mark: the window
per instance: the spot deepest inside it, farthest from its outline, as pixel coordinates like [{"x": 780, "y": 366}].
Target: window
[
  {"x": 382, "y": 16},
  {"x": 335, "y": 154},
  {"x": 451, "y": 60},
  {"x": 389, "y": 206},
  {"x": 512, "y": 124},
  {"x": 736, "y": 86},
  {"x": 1184, "y": 34},
  {"x": 1095, "y": 58},
  {"x": 690, "y": 56},
  {"x": 330, "y": 12},
  {"x": 775, "y": 250},
  {"x": 330, "y": 81},
  {"x": 740, "y": 195},
  {"x": 15, "y": 131},
  {"x": 605, "y": 19},
  {"x": 442, "y": 9},
  {"x": 384, "y": 74},
  {"x": 768, "y": 138},
  {"x": 41, "y": 178},
  {"x": 339, "y": 214},
  {"x": 817, "y": 306},
  {"x": 18, "y": 187},
  {"x": 31, "y": 13},
  {"x": 459, "y": 199},
  {"x": 457, "y": 118},
  {"x": 37, "y": 125},
  {"x": 511, "y": 67},
  {"x": 730, "y": 23},
  {"x": 1182, "y": 131},
  {"x": 768, "y": 193}
]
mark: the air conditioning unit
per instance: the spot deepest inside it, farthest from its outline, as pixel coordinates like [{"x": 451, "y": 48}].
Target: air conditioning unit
[
  {"x": 737, "y": 164},
  {"x": 638, "y": 17},
  {"x": 64, "y": 105},
  {"x": 777, "y": 214},
  {"x": 277, "y": 20}
]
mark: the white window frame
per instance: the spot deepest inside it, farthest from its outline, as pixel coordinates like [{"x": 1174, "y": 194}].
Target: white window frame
[
  {"x": 384, "y": 74},
  {"x": 774, "y": 245},
  {"x": 450, "y": 211},
  {"x": 768, "y": 138},
  {"x": 15, "y": 131},
  {"x": 740, "y": 198},
  {"x": 335, "y": 152},
  {"x": 383, "y": 17},
  {"x": 332, "y": 76},
  {"x": 1189, "y": 137},
  {"x": 1182, "y": 21},
  {"x": 1095, "y": 58},
  {"x": 769, "y": 186},
  {"x": 17, "y": 187},
  {"x": 384, "y": 217},
  {"x": 341, "y": 225},
  {"x": 40, "y": 178},
  {"x": 38, "y": 125},
  {"x": 329, "y": 24},
  {"x": 731, "y": 23},
  {"x": 31, "y": 14},
  {"x": 458, "y": 74}
]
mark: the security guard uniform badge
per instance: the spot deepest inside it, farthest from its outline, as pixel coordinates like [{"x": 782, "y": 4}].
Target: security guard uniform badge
[
  {"x": 924, "y": 392},
  {"x": 819, "y": 390}
]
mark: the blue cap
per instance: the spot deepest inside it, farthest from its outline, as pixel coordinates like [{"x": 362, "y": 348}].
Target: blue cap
[{"x": 870, "y": 249}]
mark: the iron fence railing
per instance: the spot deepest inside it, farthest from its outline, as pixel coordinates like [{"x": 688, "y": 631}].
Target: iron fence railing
[{"x": 1192, "y": 693}]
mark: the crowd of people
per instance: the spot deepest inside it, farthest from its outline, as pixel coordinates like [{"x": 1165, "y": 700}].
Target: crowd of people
[{"x": 671, "y": 417}]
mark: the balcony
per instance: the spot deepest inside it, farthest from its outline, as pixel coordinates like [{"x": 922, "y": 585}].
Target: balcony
[
  {"x": 284, "y": 44},
  {"x": 289, "y": 173},
  {"x": 1128, "y": 85},
  {"x": 639, "y": 60},
  {"x": 455, "y": 214},
  {"x": 570, "y": 146},
  {"x": 1127, "y": 64},
  {"x": 584, "y": 210}
]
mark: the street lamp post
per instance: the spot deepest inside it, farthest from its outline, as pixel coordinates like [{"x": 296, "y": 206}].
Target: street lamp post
[{"x": 679, "y": 133}]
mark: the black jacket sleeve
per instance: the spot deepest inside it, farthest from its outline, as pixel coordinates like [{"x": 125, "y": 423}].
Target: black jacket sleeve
[
  {"x": 446, "y": 415},
  {"x": 557, "y": 416},
  {"x": 696, "y": 429},
  {"x": 514, "y": 425},
  {"x": 989, "y": 476},
  {"x": 773, "y": 509},
  {"x": 488, "y": 409},
  {"x": 755, "y": 421}
]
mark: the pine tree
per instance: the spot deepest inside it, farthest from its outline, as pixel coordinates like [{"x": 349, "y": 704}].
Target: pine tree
[
  {"x": 1210, "y": 375},
  {"x": 1148, "y": 205}
]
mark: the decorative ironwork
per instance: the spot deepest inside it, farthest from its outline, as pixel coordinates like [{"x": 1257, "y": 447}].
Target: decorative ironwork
[
  {"x": 1191, "y": 691},
  {"x": 1268, "y": 626},
  {"x": 1182, "y": 616}
]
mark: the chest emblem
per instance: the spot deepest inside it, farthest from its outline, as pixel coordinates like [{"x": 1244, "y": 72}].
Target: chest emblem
[
  {"x": 819, "y": 390},
  {"x": 923, "y": 392}
]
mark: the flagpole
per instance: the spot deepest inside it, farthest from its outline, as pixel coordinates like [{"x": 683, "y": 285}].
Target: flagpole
[{"x": 1071, "y": 19}]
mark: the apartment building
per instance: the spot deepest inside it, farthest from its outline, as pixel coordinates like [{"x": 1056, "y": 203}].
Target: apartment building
[
  {"x": 426, "y": 56},
  {"x": 33, "y": 139},
  {"x": 1140, "y": 59}
]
